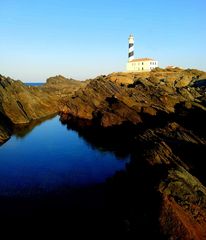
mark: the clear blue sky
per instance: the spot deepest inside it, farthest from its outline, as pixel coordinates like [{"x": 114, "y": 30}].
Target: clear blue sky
[{"x": 82, "y": 39}]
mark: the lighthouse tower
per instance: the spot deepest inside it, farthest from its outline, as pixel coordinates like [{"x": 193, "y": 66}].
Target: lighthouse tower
[
  {"x": 131, "y": 48},
  {"x": 138, "y": 64}
]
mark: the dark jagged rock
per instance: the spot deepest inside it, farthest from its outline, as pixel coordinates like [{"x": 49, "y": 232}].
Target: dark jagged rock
[
  {"x": 5, "y": 129},
  {"x": 183, "y": 196},
  {"x": 21, "y": 104},
  {"x": 161, "y": 116},
  {"x": 183, "y": 213},
  {"x": 167, "y": 151},
  {"x": 61, "y": 86},
  {"x": 157, "y": 191},
  {"x": 4, "y": 134},
  {"x": 110, "y": 100},
  {"x": 173, "y": 132},
  {"x": 103, "y": 101}
]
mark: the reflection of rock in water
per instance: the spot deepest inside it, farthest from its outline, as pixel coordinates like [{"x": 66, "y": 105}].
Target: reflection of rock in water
[
  {"x": 158, "y": 186},
  {"x": 157, "y": 191},
  {"x": 156, "y": 196},
  {"x": 21, "y": 104},
  {"x": 117, "y": 139},
  {"x": 22, "y": 130},
  {"x": 5, "y": 128}
]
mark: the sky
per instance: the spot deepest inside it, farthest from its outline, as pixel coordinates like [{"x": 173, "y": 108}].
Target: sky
[{"x": 83, "y": 39}]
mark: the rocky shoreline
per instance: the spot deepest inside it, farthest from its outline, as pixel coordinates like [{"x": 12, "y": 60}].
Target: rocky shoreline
[
  {"x": 111, "y": 100},
  {"x": 21, "y": 104},
  {"x": 161, "y": 186},
  {"x": 167, "y": 145},
  {"x": 157, "y": 117}
]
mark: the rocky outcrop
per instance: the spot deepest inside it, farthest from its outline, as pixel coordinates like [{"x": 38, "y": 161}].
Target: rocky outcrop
[
  {"x": 175, "y": 77},
  {"x": 160, "y": 189},
  {"x": 103, "y": 101},
  {"x": 172, "y": 132},
  {"x": 168, "y": 106},
  {"x": 61, "y": 86},
  {"x": 161, "y": 117},
  {"x": 183, "y": 207},
  {"x": 183, "y": 196},
  {"x": 110, "y": 100},
  {"x": 20, "y": 104},
  {"x": 5, "y": 131}
]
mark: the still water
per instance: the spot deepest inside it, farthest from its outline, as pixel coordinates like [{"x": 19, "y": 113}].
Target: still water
[{"x": 50, "y": 156}]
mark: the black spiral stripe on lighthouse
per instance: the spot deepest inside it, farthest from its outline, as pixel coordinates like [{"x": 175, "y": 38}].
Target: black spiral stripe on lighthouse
[
  {"x": 131, "y": 54},
  {"x": 131, "y": 51},
  {"x": 131, "y": 45}
]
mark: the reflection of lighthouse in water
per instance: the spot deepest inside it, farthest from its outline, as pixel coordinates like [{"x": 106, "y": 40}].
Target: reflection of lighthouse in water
[{"x": 131, "y": 48}]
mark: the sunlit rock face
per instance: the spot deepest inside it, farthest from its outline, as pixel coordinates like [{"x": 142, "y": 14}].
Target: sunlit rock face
[
  {"x": 20, "y": 104},
  {"x": 158, "y": 118},
  {"x": 167, "y": 150},
  {"x": 128, "y": 97}
]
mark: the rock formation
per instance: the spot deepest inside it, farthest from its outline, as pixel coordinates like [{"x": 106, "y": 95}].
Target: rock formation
[
  {"x": 61, "y": 86},
  {"x": 168, "y": 107},
  {"x": 161, "y": 115},
  {"x": 183, "y": 196},
  {"x": 20, "y": 104},
  {"x": 5, "y": 129},
  {"x": 110, "y": 100}
]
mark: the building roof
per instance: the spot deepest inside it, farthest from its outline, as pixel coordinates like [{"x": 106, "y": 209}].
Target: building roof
[{"x": 142, "y": 59}]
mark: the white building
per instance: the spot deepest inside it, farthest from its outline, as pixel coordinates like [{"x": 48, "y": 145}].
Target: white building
[{"x": 139, "y": 64}]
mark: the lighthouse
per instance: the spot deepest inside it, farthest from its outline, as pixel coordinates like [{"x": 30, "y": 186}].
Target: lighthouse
[
  {"x": 138, "y": 64},
  {"x": 131, "y": 48}
]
